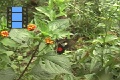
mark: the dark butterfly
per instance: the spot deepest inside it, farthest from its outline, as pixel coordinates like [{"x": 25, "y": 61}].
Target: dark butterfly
[{"x": 61, "y": 48}]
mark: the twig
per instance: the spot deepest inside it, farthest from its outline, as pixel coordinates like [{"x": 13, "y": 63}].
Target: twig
[{"x": 33, "y": 54}]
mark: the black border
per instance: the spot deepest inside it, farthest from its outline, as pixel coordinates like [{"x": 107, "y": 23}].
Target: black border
[
  {"x": 24, "y": 21},
  {"x": 9, "y": 16}
]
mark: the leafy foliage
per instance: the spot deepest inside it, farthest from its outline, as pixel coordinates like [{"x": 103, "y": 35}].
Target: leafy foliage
[{"x": 94, "y": 24}]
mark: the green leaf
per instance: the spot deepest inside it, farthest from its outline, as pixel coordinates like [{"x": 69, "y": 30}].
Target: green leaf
[
  {"x": 57, "y": 64},
  {"x": 98, "y": 40},
  {"x": 9, "y": 42},
  {"x": 62, "y": 34},
  {"x": 59, "y": 24},
  {"x": 7, "y": 74},
  {"x": 2, "y": 48},
  {"x": 59, "y": 0},
  {"x": 5, "y": 58},
  {"x": 60, "y": 14},
  {"x": 50, "y": 66},
  {"x": 93, "y": 64},
  {"x": 52, "y": 15},
  {"x": 44, "y": 10},
  {"x": 90, "y": 76},
  {"x": 9, "y": 53},
  {"x": 42, "y": 45},
  {"x": 57, "y": 28},
  {"x": 42, "y": 26},
  {"x": 3, "y": 22},
  {"x": 19, "y": 35},
  {"x": 4, "y": 61},
  {"x": 41, "y": 74},
  {"x": 110, "y": 38}
]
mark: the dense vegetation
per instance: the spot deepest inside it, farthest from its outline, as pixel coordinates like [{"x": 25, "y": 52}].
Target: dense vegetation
[{"x": 91, "y": 28}]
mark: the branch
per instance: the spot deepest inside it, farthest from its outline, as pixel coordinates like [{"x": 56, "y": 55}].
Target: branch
[{"x": 33, "y": 54}]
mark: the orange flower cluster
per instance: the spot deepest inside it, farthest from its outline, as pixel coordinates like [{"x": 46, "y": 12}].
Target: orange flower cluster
[
  {"x": 4, "y": 33},
  {"x": 31, "y": 27},
  {"x": 49, "y": 41}
]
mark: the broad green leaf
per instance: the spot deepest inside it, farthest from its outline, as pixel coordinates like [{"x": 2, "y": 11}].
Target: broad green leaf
[
  {"x": 9, "y": 53},
  {"x": 110, "y": 38},
  {"x": 42, "y": 26},
  {"x": 57, "y": 64},
  {"x": 59, "y": 24},
  {"x": 51, "y": 66},
  {"x": 9, "y": 42},
  {"x": 7, "y": 74},
  {"x": 41, "y": 74},
  {"x": 44, "y": 10},
  {"x": 19, "y": 35},
  {"x": 62, "y": 34}
]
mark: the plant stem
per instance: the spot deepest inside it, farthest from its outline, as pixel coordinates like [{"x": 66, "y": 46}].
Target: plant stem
[{"x": 33, "y": 54}]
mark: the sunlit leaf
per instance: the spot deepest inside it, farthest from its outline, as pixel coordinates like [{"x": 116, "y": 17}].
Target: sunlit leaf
[
  {"x": 59, "y": 24},
  {"x": 9, "y": 42},
  {"x": 44, "y": 10},
  {"x": 9, "y": 53},
  {"x": 19, "y": 35},
  {"x": 110, "y": 38}
]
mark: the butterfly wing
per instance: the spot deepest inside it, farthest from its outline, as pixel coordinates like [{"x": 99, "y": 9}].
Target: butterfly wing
[{"x": 60, "y": 49}]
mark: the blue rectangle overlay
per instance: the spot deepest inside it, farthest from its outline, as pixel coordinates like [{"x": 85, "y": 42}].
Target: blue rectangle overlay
[
  {"x": 16, "y": 24},
  {"x": 16, "y": 16},
  {"x": 16, "y": 9}
]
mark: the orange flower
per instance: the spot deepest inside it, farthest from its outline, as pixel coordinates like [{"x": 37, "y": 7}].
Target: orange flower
[
  {"x": 31, "y": 27},
  {"x": 49, "y": 41},
  {"x": 4, "y": 33}
]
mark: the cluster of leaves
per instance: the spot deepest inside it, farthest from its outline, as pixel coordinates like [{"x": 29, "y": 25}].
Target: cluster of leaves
[
  {"x": 26, "y": 51},
  {"x": 24, "y": 55},
  {"x": 99, "y": 58},
  {"x": 90, "y": 17}
]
